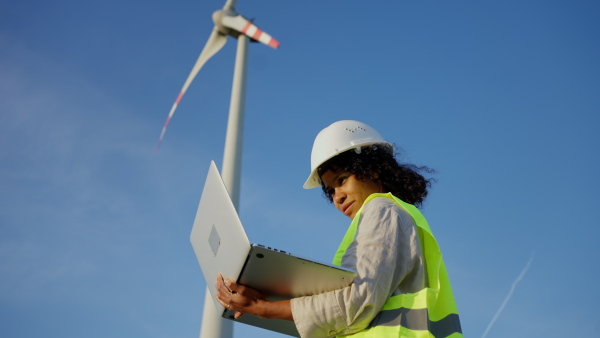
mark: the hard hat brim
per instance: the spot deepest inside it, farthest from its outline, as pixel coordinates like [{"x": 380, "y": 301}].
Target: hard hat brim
[{"x": 314, "y": 181}]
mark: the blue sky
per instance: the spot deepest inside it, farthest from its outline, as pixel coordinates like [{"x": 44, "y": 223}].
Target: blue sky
[{"x": 501, "y": 98}]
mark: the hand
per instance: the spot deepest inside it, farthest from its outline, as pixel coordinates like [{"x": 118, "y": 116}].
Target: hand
[{"x": 238, "y": 297}]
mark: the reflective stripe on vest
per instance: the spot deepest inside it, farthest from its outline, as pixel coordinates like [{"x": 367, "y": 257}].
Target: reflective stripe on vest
[{"x": 430, "y": 312}]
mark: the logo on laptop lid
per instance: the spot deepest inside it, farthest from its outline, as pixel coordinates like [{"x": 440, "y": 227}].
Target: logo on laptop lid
[{"x": 214, "y": 240}]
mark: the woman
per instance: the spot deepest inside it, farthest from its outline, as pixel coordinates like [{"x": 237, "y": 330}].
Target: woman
[{"x": 401, "y": 288}]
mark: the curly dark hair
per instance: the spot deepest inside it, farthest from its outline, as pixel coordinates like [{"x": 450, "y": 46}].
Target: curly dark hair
[{"x": 378, "y": 164}]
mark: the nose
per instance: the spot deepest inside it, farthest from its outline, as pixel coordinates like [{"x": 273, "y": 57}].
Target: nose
[{"x": 338, "y": 197}]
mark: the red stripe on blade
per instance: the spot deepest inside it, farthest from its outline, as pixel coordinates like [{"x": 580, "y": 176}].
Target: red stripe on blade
[
  {"x": 245, "y": 29},
  {"x": 257, "y": 35},
  {"x": 179, "y": 98}
]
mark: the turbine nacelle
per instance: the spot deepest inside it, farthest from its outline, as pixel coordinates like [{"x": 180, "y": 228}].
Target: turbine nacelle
[{"x": 231, "y": 23}]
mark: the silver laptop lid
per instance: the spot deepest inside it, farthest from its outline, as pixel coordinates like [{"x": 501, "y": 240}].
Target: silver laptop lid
[{"x": 218, "y": 238}]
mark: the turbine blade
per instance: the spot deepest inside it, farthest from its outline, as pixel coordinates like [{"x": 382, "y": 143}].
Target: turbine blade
[
  {"x": 244, "y": 26},
  {"x": 215, "y": 42},
  {"x": 230, "y": 5}
]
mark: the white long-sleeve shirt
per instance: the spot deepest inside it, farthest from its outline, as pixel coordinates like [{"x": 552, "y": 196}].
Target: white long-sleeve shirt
[{"x": 387, "y": 257}]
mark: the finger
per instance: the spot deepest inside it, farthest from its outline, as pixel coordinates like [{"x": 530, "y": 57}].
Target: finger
[
  {"x": 221, "y": 290},
  {"x": 241, "y": 290},
  {"x": 231, "y": 285},
  {"x": 238, "y": 315},
  {"x": 219, "y": 281},
  {"x": 221, "y": 286}
]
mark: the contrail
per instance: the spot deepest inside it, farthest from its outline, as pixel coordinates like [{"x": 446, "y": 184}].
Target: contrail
[{"x": 512, "y": 289}]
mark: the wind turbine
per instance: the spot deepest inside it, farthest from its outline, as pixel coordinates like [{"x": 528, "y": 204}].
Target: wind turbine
[{"x": 227, "y": 22}]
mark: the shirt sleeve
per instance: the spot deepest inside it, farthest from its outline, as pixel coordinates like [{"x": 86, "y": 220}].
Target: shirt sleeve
[{"x": 384, "y": 252}]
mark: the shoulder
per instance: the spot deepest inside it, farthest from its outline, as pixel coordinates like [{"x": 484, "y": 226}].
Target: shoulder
[
  {"x": 380, "y": 201},
  {"x": 385, "y": 209},
  {"x": 382, "y": 204}
]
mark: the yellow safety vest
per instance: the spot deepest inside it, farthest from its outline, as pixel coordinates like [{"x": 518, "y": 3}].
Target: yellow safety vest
[{"x": 430, "y": 312}]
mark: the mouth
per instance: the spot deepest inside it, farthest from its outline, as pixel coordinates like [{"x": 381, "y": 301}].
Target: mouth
[{"x": 346, "y": 208}]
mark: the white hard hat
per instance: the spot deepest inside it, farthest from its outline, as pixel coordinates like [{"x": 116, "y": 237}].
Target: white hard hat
[{"x": 337, "y": 138}]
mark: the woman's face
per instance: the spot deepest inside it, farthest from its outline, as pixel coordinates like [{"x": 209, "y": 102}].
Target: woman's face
[{"x": 347, "y": 192}]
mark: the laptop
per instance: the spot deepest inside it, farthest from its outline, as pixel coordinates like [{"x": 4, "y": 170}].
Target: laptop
[{"x": 222, "y": 246}]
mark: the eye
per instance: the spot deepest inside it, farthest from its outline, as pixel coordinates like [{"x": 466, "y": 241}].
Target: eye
[
  {"x": 330, "y": 192},
  {"x": 342, "y": 179}
]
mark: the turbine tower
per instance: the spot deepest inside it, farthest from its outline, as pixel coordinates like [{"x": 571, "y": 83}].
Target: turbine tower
[{"x": 227, "y": 23}]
